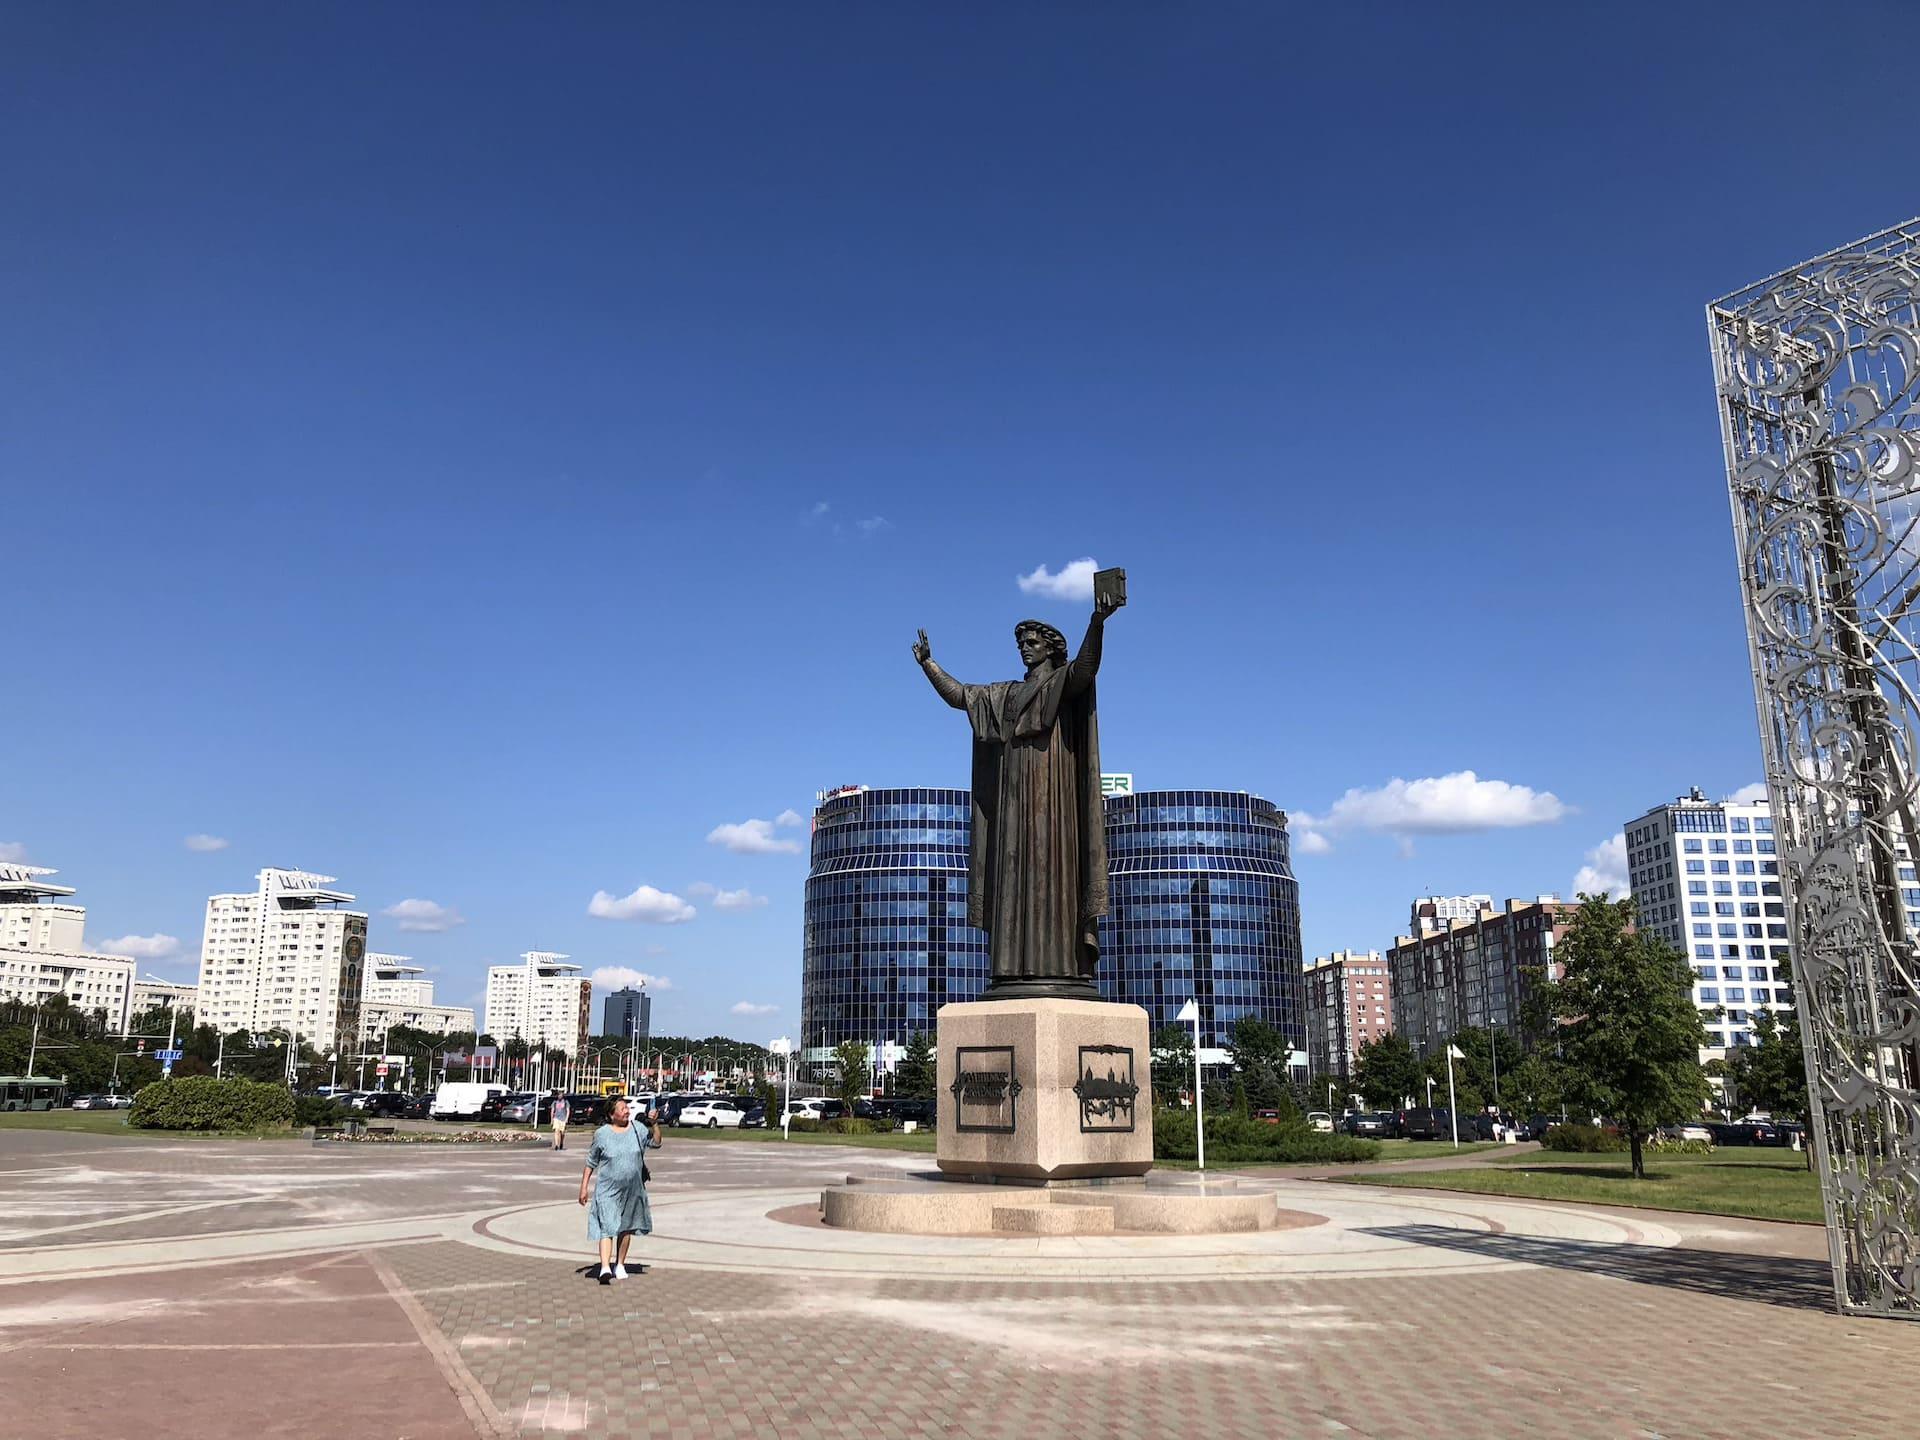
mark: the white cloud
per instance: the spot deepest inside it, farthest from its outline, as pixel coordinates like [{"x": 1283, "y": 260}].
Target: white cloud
[
  {"x": 820, "y": 507},
  {"x": 424, "y": 917},
  {"x": 752, "y": 837},
  {"x": 206, "y": 844},
  {"x": 1310, "y": 842},
  {"x": 12, "y": 852},
  {"x": 737, "y": 900},
  {"x": 873, "y": 525},
  {"x": 142, "y": 947},
  {"x": 703, "y": 889},
  {"x": 747, "y": 1007},
  {"x": 789, "y": 818},
  {"x": 619, "y": 977},
  {"x": 1605, "y": 870},
  {"x": 1749, "y": 794},
  {"x": 1438, "y": 805},
  {"x": 646, "y": 904},
  {"x": 1073, "y": 582}
]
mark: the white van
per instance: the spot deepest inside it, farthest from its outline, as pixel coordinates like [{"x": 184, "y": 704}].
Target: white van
[{"x": 461, "y": 1100}]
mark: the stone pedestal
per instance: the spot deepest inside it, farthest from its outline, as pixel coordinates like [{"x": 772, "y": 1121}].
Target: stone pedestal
[{"x": 1038, "y": 1091}]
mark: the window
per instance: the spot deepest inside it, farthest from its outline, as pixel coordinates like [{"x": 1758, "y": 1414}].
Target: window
[
  {"x": 1719, "y": 867},
  {"x": 1696, "y": 887},
  {"x": 1706, "y": 930},
  {"x": 1699, "y": 907},
  {"x": 1696, "y": 867},
  {"x": 1690, "y": 847}
]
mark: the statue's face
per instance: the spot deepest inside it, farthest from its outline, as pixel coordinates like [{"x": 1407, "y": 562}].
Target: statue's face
[{"x": 1033, "y": 647}]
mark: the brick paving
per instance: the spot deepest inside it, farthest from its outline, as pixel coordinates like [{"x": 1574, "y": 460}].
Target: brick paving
[{"x": 1728, "y": 1333}]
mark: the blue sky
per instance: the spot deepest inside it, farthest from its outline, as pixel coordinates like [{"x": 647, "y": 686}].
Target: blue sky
[{"x": 479, "y": 452}]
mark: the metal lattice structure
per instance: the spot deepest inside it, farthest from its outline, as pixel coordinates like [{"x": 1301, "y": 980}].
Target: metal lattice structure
[{"x": 1819, "y": 382}]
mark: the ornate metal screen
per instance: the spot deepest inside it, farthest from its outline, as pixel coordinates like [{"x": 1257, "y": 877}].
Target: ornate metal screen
[{"x": 1819, "y": 381}]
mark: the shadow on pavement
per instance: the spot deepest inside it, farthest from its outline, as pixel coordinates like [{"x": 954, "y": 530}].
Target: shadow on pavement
[{"x": 1771, "y": 1279}]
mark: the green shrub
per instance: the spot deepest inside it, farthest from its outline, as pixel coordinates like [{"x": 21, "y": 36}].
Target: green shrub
[
  {"x": 802, "y": 1126},
  {"x": 318, "y": 1110},
  {"x": 1577, "y": 1139},
  {"x": 1678, "y": 1147},
  {"x": 844, "y": 1125},
  {"x": 200, "y": 1102},
  {"x": 1231, "y": 1140}
]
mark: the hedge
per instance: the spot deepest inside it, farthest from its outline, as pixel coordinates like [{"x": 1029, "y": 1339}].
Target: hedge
[
  {"x": 843, "y": 1125},
  {"x": 200, "y": 1102},
  {"x": 1237, "y": 1141},
  {"x": 1580, "y": 1139}
]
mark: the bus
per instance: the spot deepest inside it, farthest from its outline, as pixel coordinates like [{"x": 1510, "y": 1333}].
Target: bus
[
  {"x": 610, "y": 1088},
  {"x": 31, "y": 1092}
]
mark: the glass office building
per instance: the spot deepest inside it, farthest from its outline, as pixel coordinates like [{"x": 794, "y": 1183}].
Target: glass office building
[
  {"x": 1204, "y": 904},
  {"x": 887, "y": 939}
]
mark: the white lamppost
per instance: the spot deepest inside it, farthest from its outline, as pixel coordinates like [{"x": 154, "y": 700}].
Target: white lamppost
[
  {"x": 1191, "y": 1012},
  {"x": 784, "y": 1048},
  {"x": 1453, "y": 1111}
]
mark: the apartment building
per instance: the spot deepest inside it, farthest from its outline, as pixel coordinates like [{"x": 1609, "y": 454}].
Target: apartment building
[
  {"x": 43, "y": 949},
  {"x": 397, "y": 993},
  {"x": 1349, "y": 1004},
  {"x": 1706, "y": 878},
  {"x": 150, "y": 992},
  {"x": 287, "y": 956},
  {"x": 1472, "y": 971},
  {"x": 542, "y": 1000}
]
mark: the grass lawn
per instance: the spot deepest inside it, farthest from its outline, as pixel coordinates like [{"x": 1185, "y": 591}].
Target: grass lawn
[
  {"x": 1756, "y": 1184},
  {"x": 114, "y": 1122},
  {"x": 1427, "y": 1149}
]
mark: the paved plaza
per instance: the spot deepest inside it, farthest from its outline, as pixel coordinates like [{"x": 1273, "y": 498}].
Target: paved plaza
[{"x": 221, "y": 1289}]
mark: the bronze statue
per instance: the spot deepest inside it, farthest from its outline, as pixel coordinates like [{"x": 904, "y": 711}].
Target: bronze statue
[{"x": 1037, "y": 867}]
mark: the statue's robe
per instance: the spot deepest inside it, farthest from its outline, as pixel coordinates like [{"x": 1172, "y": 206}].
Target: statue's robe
[{"x": 1037, "y": 867}]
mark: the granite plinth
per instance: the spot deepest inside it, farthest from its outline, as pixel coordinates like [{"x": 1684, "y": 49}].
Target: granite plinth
[
  {"x": 1040, "y": 1090},
  {"x": 941, "y": 1207}
]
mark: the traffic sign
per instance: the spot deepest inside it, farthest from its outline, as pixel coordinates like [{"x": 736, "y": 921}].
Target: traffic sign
[
  {"x": 167, "y": 1057},
  {"x": 379, "y": 1069},
  {"x": 140, "y": 1047}
]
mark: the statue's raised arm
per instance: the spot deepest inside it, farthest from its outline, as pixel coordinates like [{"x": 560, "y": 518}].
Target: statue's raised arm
[{"x": 944, "y": 685}]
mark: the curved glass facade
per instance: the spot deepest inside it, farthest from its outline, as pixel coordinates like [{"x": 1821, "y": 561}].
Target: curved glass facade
[
  {"x": 887, "y": 939},
  {"x": 1203, "y": 894},
  {"x": 1204, "y": 905}
]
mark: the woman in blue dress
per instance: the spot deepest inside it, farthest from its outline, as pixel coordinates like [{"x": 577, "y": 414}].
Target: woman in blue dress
[{"x": 616, "y": 1181}]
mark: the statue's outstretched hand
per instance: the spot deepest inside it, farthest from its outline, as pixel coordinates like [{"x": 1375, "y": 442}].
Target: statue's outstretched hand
[
  {"x": 922, "y": 651},
  {"x": 1104, "y": 607}
]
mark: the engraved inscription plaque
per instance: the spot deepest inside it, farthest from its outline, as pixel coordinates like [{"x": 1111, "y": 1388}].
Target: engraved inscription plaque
[
  {"x": 985, "y": 1089},
  {"x": 1106, "y": 1089}
]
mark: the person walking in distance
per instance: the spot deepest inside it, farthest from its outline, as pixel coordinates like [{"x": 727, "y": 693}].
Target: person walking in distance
[
  {"x": 560, "y": 1113},
  {"x": 613, "y": 1187}
]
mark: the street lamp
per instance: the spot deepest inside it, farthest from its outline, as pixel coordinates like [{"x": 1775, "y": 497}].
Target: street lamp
[
  {"x": 1191, "y": 1012},
  {"x": 783, "y": 1047}
]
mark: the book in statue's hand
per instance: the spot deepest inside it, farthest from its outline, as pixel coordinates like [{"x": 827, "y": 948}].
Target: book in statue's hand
[{"x": 1110, "y": 587}]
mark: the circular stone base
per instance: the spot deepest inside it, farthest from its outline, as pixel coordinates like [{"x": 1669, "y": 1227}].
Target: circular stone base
[{"x": 960, "y": 1209}]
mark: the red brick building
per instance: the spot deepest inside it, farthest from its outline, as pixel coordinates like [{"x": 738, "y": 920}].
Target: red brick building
[{"x": 1349, "y": 1003}]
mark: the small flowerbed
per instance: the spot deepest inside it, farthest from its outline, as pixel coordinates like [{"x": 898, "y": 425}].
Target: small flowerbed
[{"x": 422, "y": 1137}]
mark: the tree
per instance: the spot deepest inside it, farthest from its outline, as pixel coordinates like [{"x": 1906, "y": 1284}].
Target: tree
[
  {"x": 916, "y": 1073},
  {"x": 1386, "y": 1072},
  {"x": 850, "y": 1084},
  {"x": 1771, "y": 1073},
  {"x": 1259, "y": 1053},
  {"x": 1533, "y": 1087},
  {"x": 1630, "y": 1032},
  {"x": 1172, "y": 1063}
]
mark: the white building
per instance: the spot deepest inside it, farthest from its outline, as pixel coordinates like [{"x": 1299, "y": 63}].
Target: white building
[
  {"x": 43, "y": 949},
  {"x": 150, "y": 992},
  {"x": 1706, "y": 879},
  {"x": 395, "y": 994},
  {"x": 1438, "y": 912},
  {"x": 284, "y": 956},
  {"x": 542, "y": 1000}
]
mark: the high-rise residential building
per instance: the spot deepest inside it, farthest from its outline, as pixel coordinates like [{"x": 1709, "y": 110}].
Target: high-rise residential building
[
  {"x": 1706, "y": 878},
  {"x": 542, "y": 1000},
  {"x": 150, "y": 992},
  {"x": 1436, "y": 912},
  {"x": 396, "y": 994},
  {"x": 628, "y": 1015},
  {"x": 1473, "y": 972},
  {"x": 285, "y": 956},
  {"x": 34, "y": 914},
  {"x": 1349, "y": 1000},
  {"x": 43, "y": 949},
  {"x": 1204, "y": 905}
]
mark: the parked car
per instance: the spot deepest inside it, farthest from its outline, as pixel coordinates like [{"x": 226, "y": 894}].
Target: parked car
[
  {"x": 1320, "y": 1120},
  {"x": 712, "y": 1114},
  {"x": 1757, "y": 1132},
  {"x": 1433, "y": 1122},
  {"x": 87, "y": 1102},
  {"x": 754, "y": 1117},
  {"x": 1538, "y": 1125},
  {"x": 1686, "y": 1130},
  {"x": 1372, "y": 1124},
  {"x": 386, "y": 1105},
  {"x": 815, "y": 1108}
]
